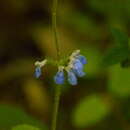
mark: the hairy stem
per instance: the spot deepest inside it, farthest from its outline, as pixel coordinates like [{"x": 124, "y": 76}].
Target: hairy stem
[
  {"x": 54, "y": 27},
  {"x": 56, "y": 106}
]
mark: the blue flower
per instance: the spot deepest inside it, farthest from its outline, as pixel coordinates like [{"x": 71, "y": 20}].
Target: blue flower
[
  {"x": 38, "y": 72},
  {"x": 59, "y": 77},
  {"x": 77, "y": 64},
  {"x": 82, "y": 59},
  {"x": 79, "y": 72},
  {"x": 72, "y": 78}
]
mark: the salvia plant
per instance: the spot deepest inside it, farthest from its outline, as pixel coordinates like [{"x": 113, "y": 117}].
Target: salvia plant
[{"x": 68, "y": 69}]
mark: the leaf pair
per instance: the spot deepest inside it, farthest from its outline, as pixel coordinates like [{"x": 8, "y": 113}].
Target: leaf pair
[{"x": 120, "y": 53}]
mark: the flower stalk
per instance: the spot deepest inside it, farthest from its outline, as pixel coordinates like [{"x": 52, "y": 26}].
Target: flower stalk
[
  {"x": 58, "y": 87},
  {"x": 54, "y": 27},
  {"x": 56, "y": 106}
]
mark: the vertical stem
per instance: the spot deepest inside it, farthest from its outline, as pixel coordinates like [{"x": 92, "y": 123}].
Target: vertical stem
[
  {"x": 54, "y": 27},
  {"x": 56, "y": 106},
  {"x": 57, "y": 88}
]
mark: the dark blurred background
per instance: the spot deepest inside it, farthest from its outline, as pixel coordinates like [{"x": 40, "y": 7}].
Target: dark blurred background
[{"x": 100, "y": 101}]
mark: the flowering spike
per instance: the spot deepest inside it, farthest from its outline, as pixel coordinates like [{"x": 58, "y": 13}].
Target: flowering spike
[
  {"x": 74, "y": 68},
  {"x": 38, "y": 72},
  {"x": 72, "y": 78},
  {"x": 59, "y": 77},
  {"x": 82, "y": 59}
]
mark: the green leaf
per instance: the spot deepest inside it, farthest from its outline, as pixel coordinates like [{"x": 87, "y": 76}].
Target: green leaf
[
  {"x": 120, "y": 53},
  {"x": 121, "y": 38},
  {"x": 119, "y": 81},
  {"x": 90, "y": 111},
  {"x": 10, "y": 116},
  {"x": 25, "y": 127},
  {"x": 115, "y": 55}
]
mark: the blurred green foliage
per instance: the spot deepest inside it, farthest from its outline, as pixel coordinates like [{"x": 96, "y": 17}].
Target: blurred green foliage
[
  {"x": 11, "y": 117},
  {"x": 90, "y": 110},
  {"x": 120, "y": 52},
  {"x": 121, "y": 39},
  {"x": 94, "y": 57},
  {"x": 119, "y": 83},
  {"x": 24, "y": 127}
]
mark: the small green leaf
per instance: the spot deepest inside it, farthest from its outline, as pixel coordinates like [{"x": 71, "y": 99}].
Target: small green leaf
[
  {"x": 119, "y": 81},
  {"x": 121, "y": 39},
  {"x": 115, "y": 55},
  {"x": 25, "y": 127},
  {"x": 90, "y": 111}
]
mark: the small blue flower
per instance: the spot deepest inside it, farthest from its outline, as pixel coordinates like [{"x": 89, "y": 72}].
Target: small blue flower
[
  {"x": 72, "y": 78},
  {"x": 77, "y": 64},
  {"x": 79, "y": 72},
  {"x": 82, "y": 59},
  {"x": 38, "y": 72},
  {"x": 59, "y": 77}
]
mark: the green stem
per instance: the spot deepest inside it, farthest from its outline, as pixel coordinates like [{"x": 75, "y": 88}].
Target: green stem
[
  {"x": 54, "y": 27},
  {"x": 56, "y": 106},
  {"x": 57, "y": 88}
]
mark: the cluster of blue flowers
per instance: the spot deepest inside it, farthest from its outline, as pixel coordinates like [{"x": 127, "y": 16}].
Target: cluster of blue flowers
[{"x": 74, "y": 69}]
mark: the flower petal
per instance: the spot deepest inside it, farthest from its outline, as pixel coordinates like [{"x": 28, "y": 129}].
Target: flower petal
[
  {"x": 79, "y": 72},
  {"x": 59, "y": 77},
  {"x": 72, "y": 78},
  {"x": 38, "y": 72},
  {"x": 77, "y": 64},
  {"x": 82, "y": 59}
]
